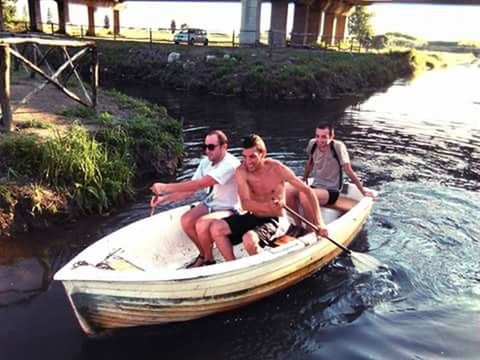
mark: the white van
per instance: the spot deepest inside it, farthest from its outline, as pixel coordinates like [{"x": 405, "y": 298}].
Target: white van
[{"x": 191, "y": 36}]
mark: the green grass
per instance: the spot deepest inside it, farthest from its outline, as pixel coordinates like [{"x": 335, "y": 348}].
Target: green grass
[
  {"x": 256, "y": 73},
  {"x": 82, "y": 112},
  {"x": 33, "y": 124},
  {"x": 95, "y": 170}
]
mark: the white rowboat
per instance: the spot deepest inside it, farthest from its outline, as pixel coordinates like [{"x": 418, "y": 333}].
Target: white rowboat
[{"x": 136, "y": 276}]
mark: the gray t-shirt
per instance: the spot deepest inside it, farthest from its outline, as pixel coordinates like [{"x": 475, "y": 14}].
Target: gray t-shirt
[
  {"x": 224, "y": 194},
  {"x": 326, "y": 172}
]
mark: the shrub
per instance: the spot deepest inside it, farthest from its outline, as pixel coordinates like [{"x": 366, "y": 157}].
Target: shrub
[
  {"x": 20, "y": 154},
  {"x": 95, "y": 177},
  {"x": 82, "y": 112}
]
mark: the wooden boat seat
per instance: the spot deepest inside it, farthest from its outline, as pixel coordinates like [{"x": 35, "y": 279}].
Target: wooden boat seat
[{"x": 343, "y": 204}]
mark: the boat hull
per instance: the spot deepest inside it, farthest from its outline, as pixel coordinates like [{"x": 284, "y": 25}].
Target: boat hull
[{"x": 144, "y": 300}]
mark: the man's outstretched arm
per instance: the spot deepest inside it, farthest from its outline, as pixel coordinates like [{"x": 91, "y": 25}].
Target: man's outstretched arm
[{"x": 185, "y": 186}]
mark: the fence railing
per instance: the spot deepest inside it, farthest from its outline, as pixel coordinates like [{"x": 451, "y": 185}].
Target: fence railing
[{"x": 270, "y": 38}]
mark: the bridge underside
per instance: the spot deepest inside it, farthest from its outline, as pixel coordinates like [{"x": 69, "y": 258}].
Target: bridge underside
[{"x": 313, "y": 19}]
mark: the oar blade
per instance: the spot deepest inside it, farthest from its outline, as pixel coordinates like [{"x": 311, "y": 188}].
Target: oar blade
[{"x": 364, "y": 262}]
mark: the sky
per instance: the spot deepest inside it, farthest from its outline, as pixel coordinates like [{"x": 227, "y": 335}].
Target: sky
[{"x": 428, "y": 22}]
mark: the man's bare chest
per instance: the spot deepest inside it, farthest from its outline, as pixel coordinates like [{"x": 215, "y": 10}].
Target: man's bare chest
[{"x": 264, "y": 185}]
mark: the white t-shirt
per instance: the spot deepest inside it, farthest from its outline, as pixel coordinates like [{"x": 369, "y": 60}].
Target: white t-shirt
[{"x": 224, "y": 194}]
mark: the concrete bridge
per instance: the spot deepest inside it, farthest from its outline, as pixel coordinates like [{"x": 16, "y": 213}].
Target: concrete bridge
[{"x": 312, "y": 18}]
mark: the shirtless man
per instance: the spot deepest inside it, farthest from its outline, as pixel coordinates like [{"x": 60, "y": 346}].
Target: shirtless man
[
  {"x": 261, "y": 188},
  {"x": 214, "y": 174}
]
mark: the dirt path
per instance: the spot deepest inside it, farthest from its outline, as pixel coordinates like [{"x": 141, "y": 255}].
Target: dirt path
[{"x": 44, "y": 109}]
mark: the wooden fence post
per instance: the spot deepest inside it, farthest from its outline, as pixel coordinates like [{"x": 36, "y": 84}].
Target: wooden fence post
[
  {"x": 233, "y": 39},
  {"x": 2, "y": 22},
  {"x": 94, "y": 74},
  {"x": 5, "y": 87},
  {"x": 151, "y": 38}
]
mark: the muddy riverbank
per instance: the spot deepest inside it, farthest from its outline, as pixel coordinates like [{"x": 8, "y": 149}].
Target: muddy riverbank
[{"x": 271, "y": 74}]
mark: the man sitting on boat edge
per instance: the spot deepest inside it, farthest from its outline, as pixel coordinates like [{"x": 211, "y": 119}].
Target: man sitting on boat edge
[
  {"x": 215, "y": 174},
  {"x": 327, "y": 159},
  {"x": 261, "y": 188}
]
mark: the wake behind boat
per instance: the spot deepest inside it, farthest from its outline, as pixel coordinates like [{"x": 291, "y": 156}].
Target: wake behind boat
[{"x": 137, "y": 275}]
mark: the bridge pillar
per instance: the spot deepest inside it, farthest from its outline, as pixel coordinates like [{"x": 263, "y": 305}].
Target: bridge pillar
[
  {"x": 35, "y": 15},
  {"x": 300, "y": 24},
  {"x": 116, "y": 17},
  {"x": 278, "y": 23},
  {"x": 340, "y": 28},
  {"x": 62, "y": 7},
  {"x": 116, "y": 22},
  {"x": 328, "y": 26},
  {"x": 334, "y": 22},
  {"x": 91, "y": 19},
  {"x": 314, "y": 21},
  {"x": 307, "y": 21},
  {"x": 248, "y": 25},
  {"x": 259, "y": 17}
]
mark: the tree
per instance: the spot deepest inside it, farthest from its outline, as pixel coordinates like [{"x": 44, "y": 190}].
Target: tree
[
  {"x": 9, "y": 10},
  {"x": 184, "y": 26},
  {"x": 106, "y": 22},
  {"x": 359, "y": 24},
  {"x": 173, "y": 26}
]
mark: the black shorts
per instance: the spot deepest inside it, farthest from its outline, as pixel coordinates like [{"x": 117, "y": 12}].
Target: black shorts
[
  {"x": 264, "y": 227},
  {"x": 332, "y": 196}
]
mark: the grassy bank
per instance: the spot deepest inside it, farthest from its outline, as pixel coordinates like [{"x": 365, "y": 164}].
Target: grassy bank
[
  {"x": 87, "y": 166},
  {"x": 254, "y": 73}
]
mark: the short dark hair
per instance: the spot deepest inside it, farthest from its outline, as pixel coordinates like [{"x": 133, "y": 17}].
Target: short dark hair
[
  {"x": 254, "y": 140},
  {"x": 222, "y": 138},
  {"x": 326, "y": 125}
]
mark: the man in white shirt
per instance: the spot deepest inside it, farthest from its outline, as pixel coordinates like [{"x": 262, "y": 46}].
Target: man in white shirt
[{"x": 215, "y": 174}]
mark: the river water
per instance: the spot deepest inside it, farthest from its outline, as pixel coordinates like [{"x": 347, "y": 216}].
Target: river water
[{"x": 417, "y": 143}]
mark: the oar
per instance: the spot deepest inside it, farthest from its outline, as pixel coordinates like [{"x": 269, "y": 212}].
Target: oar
[{"x": 362, "y": 262}]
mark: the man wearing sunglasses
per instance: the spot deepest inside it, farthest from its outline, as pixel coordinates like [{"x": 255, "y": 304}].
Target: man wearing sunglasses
[{"x": 215, "y": 174}]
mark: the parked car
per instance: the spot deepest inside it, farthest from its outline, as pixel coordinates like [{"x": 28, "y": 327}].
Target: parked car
[{"x": 191, "y": 36}]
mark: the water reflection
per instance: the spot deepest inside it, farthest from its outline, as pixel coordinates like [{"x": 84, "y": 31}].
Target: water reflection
[
  {"x": 418, "y": 144},
  {"x": 23, "y": 274}
]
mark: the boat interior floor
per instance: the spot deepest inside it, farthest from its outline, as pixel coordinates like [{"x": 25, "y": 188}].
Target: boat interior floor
[{"x": 122, "y": 260}]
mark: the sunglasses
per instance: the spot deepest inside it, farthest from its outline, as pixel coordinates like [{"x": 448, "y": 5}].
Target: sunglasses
[{"x": 209, "y": 147}]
